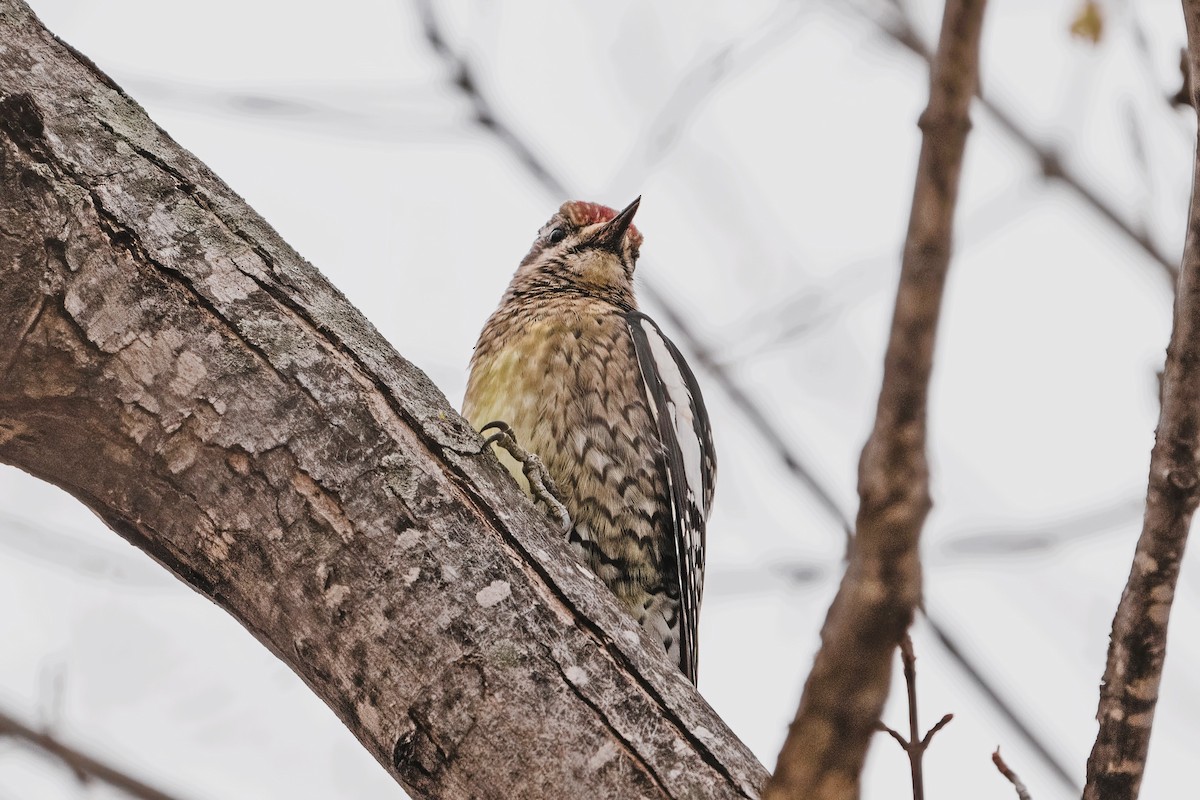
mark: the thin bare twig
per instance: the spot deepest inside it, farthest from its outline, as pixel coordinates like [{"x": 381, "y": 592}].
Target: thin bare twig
[
  {"x": 916, "y": 744},
  {"x": 1137, "y": 645},
  {"x": 85, "y": 767},
  {"x": 1008, "y": 710},
  {"x": 1013, "y": 778},
  {"x": 849, "y": 681},
  {"x": 941, "y": 723}
]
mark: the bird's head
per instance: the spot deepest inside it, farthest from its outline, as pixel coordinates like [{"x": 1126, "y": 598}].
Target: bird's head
[{"x": 585, "y": 248}]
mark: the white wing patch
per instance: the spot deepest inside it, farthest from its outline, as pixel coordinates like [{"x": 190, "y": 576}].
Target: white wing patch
[
  {"x": 680, "y": 405},
  {"x": 683, "y": 430}
]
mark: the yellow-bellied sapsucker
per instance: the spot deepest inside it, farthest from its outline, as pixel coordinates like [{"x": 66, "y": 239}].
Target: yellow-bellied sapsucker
[{"x": 593, "y": 387}]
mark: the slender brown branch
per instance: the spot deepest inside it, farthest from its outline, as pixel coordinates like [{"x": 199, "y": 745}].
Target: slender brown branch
[
  {"x": 1010, "y": 712},
  {"x": 1138, "y": 643},
  {"x": 916, "y": 744},
  {"x": 941, "y": 723},
  {"x": 895, "y": 734},
  {"x": 85, "y": 767},
  {"x": 915, "y": 749},
  {"x": 1013, "y": 778},
  {"x": 845, "y": 692}
]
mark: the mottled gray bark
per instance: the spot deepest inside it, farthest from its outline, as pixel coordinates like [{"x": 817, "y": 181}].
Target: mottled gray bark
[
  {"x": 823, "y": 756},
  {"x": 172, "y": 363},
  {"x": 1138, "y": 644}
]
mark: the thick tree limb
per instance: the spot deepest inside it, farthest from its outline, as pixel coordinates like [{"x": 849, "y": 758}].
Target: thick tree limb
[
  {"x": 168, "y": 360},
  {"x": 846, "y": 690},
  {"x": 1138, "y": 643}
]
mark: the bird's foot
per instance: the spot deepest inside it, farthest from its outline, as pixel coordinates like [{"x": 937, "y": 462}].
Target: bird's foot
[{"x": 541, "y": 485}]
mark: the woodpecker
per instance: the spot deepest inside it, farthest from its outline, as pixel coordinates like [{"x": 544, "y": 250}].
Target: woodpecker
[{"x": 572, "y": 370}]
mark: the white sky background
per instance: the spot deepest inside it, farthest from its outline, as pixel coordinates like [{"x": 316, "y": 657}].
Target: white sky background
[{"x": 774, "y": 145}]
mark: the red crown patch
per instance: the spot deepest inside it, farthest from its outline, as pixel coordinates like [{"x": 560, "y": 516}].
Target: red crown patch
[{"x": 582, "y": 214}]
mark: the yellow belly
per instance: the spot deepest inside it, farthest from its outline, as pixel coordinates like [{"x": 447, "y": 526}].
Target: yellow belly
[
  {"x": 578, "y": 403},
  {"x": 492, "y": 399}
]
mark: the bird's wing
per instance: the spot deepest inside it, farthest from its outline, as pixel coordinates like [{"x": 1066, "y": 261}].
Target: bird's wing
[{"x": 691, "y": 466}]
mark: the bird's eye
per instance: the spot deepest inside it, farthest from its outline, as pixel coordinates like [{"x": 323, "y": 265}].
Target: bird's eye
[{"x": 555, "y": 236}]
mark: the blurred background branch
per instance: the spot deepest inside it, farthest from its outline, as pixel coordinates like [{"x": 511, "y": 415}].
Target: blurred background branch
[
  {"x": 896, "y": 22},
  {"x": 85, "y": 767}
]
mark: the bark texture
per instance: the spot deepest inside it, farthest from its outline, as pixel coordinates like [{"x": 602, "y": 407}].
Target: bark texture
[
  {"x": 1138, "y": 643},
  {"x": 168, "y": 360},
  {"x": 823, "y": 755}
]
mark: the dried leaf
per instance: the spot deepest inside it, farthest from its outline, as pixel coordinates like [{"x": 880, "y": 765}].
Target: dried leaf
[{"x": 1089, "y": 22}]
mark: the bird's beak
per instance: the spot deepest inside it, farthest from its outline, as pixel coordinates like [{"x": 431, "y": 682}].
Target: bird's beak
[{"x": 612, "y": 235}]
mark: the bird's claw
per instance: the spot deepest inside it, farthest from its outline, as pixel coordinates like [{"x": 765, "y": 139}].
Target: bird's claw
[{"x": 541, "y": 485}]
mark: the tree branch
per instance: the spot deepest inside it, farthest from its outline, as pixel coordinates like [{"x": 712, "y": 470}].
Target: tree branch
[
  {"x": 916, "y": 744},
  {"x": 172, "y": 363},
  {"x": 85, "y": 767},
  {"x": 1013, "y": 778},
  {"x": 1138, "y": 643},
  {"x": 846, "y": 690},
  {"x": 1011, "y": 712}
]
